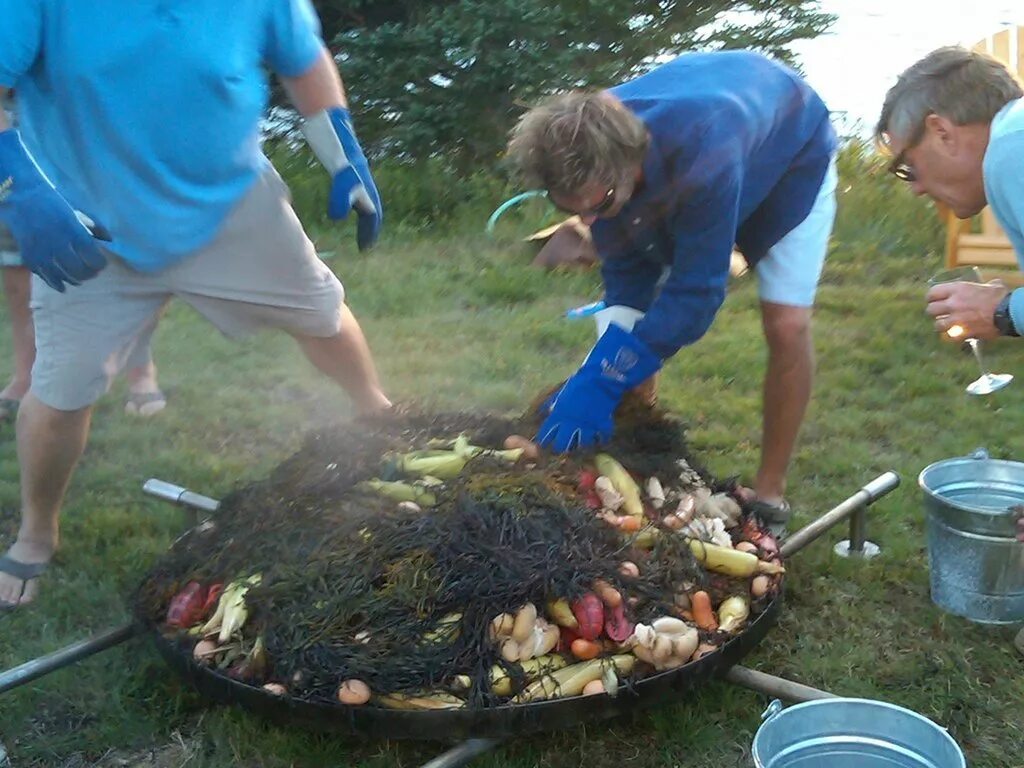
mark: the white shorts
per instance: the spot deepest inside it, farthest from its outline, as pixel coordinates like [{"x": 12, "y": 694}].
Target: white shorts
[{"x": 790, "y": 271}]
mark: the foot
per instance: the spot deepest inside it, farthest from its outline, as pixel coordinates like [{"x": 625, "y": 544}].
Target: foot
[
  {"x": 773, "y": 510},
  {"x": 19, "y": 579},
  {"x": 1019, "y": 641},
  {"x": 371, "y": 404}
]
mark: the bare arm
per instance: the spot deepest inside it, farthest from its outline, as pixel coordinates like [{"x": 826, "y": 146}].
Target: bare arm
[{"x": 318, "y": 88}]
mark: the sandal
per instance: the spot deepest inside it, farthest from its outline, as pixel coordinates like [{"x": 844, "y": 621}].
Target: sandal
[
  {"x": 145, "y": 404},
  {"x": 19, "y": 570},
  {"x": 775, "y": 516}
]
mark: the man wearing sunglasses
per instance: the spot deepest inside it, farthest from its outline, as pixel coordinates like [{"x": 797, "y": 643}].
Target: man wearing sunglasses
[
  {"x": 954, "y": 125},
  {"x": 671, "y": 170}
]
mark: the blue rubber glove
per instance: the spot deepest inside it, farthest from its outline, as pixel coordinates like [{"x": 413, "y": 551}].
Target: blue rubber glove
[
  {"x": 53, "y": 242},
  {"x": 582, "y": 412},
  {"x": 333, "y": 141}
]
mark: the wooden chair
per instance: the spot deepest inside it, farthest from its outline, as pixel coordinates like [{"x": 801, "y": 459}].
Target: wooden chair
[{"x": 981, "y": 241}]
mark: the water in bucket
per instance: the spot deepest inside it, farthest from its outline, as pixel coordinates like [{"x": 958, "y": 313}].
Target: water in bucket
[{"x": 852, "y": 733}]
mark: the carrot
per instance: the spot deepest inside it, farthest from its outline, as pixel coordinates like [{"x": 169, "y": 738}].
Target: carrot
[
  {"x": 628, "y": 524},
  {"x": 703, "y": 614},
  {"x": 609, "y": 595}
]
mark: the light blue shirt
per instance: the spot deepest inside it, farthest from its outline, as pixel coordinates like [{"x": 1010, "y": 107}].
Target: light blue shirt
[
  {"x": 1003, "y": 170},
  {"x": 145, "y": 114}
]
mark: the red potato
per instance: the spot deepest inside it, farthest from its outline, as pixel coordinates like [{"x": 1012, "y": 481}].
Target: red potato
[
  {"x": 617, "y": 626},
  {"x": 589, "y": 612}
]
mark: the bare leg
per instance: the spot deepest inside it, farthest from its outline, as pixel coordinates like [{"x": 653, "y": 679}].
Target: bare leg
[
  {"x": 346, "y": 359},
  {"x": 50, "y": 443},
  {"x": 787, "y": 390},
  {"x": 17, "y": 288}
]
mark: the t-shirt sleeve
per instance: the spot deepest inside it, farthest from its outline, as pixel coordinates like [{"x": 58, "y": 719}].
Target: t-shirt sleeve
[
  {"x": 1004, "y": 185},
  {"x": 21, "y": 35},
  {"x": 293, "y": 40}
]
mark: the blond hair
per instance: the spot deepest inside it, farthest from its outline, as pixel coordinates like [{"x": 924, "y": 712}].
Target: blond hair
[
  {"x": 576, "y": 139},
  {"x": 962, "y": 85}
]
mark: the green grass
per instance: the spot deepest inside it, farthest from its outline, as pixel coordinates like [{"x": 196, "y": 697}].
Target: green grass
[{"x": 457, "y": 321}]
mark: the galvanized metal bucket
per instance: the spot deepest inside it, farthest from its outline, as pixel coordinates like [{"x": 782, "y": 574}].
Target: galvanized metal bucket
[
  {"x": 977, "y": 564},
  {"x": 851, "y": 733}
]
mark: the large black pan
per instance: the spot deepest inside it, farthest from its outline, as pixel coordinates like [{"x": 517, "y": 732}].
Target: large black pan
[{"x": 457, "y": 724}]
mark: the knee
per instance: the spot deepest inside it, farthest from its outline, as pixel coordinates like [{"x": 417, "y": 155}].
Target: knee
[{"x": 788, "y": 328}]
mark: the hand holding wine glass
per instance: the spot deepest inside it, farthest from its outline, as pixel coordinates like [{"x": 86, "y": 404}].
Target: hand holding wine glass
[{"x": 963, "y": 307}]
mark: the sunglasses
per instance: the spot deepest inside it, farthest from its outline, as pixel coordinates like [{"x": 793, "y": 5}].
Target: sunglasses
[
  {"x": 606, "y": 204},
  {"x": 901, "y": 169}
]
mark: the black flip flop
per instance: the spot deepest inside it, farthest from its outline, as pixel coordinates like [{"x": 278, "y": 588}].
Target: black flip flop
[
  {"x": 775, "y": 516},
  {"x": 19, "y": 570}
]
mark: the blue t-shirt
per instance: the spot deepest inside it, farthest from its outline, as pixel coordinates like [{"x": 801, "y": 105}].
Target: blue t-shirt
[
  {"x": 739, "y": 147},
  {"x": 1003, "y": 170},
  {"x": 145, "y": 114}
]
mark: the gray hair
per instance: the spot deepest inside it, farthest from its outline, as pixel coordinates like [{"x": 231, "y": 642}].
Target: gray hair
[
  {"x": 575, "y": 139},
  {"x": 962, "y": 85}
]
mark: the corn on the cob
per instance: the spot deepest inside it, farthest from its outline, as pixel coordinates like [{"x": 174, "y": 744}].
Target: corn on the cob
[
  {"x": 731, "y": 562},
  {"x": 437, "y": 700},
  {"x": 569, "y": 681},
  {"x": 399, "y": 491},
  {"x": 501, "y": 683},
  {"x": 623, "y": 483}
]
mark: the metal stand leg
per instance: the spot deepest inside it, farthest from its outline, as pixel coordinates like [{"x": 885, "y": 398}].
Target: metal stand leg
[
  {"x": 858, "y": 545},
  {"x": 851, "y": 508},
  {"x": 44, "y": 665},
  {"x": 462, "y": 754},
  {"x": 194, "y": 503},
  {"x": 776, "y": 687}
]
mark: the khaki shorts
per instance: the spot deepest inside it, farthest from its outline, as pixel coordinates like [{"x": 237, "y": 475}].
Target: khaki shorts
[{"x": 260, "y": 271}]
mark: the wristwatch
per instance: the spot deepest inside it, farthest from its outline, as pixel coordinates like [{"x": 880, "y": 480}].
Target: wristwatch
[{"x": 1002, "y": 320}]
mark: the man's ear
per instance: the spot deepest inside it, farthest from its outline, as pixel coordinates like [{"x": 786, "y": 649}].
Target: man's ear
[{"x": 944, "y": 132}]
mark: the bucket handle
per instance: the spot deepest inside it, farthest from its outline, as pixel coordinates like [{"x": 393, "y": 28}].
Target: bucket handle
[
  {"x": 979, "y": 454},
  {"x": 773, "y": 709}
]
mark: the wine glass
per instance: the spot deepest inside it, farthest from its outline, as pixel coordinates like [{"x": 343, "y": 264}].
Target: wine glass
[{"x": 988, "y": 382}]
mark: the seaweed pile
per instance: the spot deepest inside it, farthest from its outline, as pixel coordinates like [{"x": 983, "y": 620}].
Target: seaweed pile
[{"x": 353, "y": 575}]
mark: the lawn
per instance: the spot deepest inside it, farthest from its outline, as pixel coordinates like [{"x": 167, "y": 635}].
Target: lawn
[{"x": 458, "y": 321}]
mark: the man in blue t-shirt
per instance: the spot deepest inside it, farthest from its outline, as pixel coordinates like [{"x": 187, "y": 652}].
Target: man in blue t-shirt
[
  {"x": 135, "y": 176},
  {"x": 954, "y": 125},
  {"x": 672, "y": 170}
]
